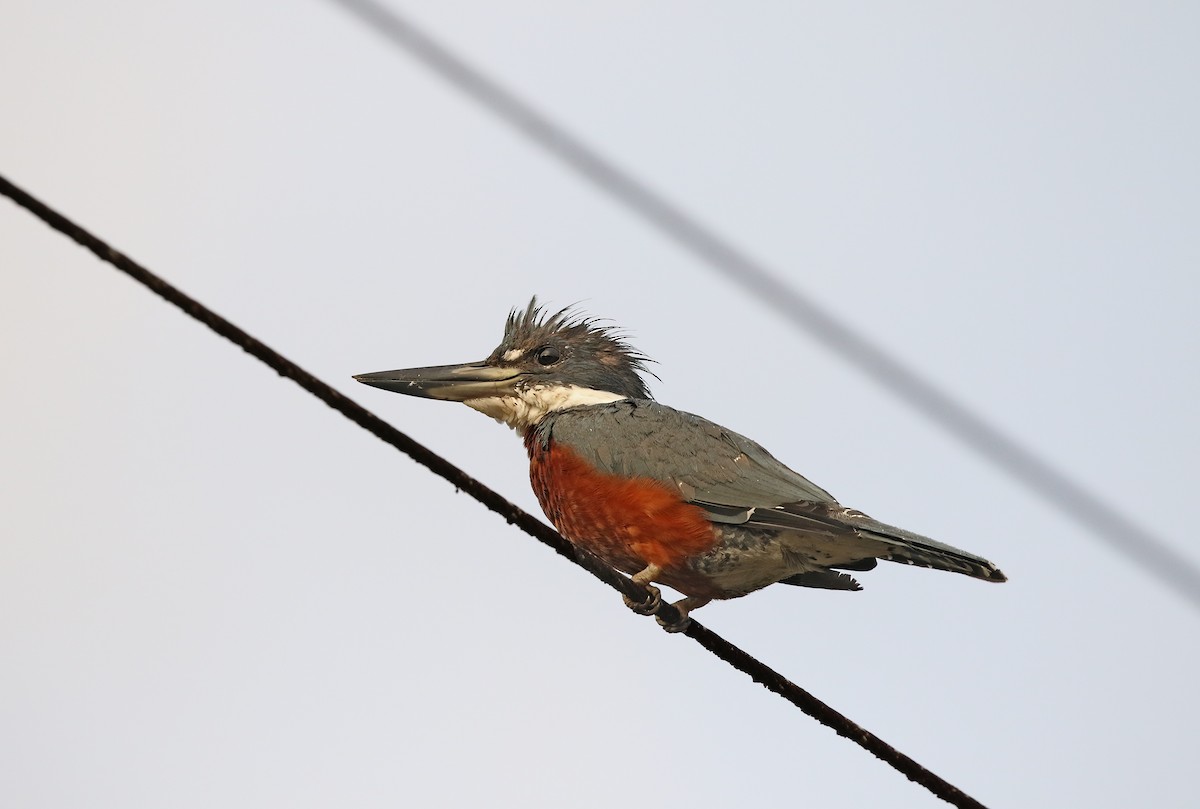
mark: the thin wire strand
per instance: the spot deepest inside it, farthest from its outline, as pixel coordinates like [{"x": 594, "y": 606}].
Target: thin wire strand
[
  {"x": 1120, "y": 532},
  {"x": 723, "y": 649}
]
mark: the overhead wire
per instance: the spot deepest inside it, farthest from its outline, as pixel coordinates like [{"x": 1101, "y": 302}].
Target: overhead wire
[
  {"x": 1140, "y": 545},
  {"x": 714, "y": 643}
]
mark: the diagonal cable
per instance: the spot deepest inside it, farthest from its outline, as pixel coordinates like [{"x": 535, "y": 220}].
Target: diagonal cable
[
  {"x": 1120, "y": 532},
  {"x": 723, "y": 649}
]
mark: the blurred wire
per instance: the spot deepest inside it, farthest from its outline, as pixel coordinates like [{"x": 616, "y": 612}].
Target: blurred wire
[
  {"x": 1154, "y": 555},
  {"x": 723, "y": 649}
]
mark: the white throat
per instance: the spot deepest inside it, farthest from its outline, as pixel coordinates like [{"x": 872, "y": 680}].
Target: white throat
[{"x": 526, "y": 408}]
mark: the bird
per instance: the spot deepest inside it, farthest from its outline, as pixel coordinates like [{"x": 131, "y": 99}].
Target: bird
[{"x": 665, "y": 496}]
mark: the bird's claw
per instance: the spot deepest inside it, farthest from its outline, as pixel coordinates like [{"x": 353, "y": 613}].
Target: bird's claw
[
  {"x": 680, "y": 625},
  {"x": 683, "y": 607},
  {"x": 649, "y": 606}
]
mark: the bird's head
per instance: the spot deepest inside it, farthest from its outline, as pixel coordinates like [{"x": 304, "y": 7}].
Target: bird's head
[{"x": 545, "y": 362}]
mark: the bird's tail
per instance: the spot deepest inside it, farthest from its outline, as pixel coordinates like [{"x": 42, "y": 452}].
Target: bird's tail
[{"x": 908, "y": 548}]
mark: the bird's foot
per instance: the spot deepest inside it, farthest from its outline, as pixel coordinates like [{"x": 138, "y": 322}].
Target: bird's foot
[
  {"x": 684, "y": 606},
  {"x": 644, "y": 577},
  {"x": 651, "y": 605},
  {"x": 647, "y": 607},
  {"x": 674, "y": 626}
]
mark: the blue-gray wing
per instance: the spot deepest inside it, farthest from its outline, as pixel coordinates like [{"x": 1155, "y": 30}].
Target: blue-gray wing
[
  {"x": 707, "y": 463},
  {"x": 738, "y": 482}
]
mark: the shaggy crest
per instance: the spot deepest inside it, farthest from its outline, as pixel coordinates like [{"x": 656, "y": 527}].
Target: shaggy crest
[{"x": 578, "y": 336}]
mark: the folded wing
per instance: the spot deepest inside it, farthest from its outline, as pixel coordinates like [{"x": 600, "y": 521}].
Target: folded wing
[{"x": 738, "y": 482}]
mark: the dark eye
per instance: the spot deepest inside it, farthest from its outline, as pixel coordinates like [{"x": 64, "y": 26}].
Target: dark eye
[{"x": 548, "y": 356}]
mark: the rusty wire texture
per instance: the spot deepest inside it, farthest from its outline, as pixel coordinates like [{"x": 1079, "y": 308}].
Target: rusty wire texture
[{"x": 721, "y": 648}]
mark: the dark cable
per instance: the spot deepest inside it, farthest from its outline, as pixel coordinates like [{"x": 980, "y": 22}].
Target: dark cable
[
  {"x": 1139, "y": 544},
  {"x": 758, "y": 671}
]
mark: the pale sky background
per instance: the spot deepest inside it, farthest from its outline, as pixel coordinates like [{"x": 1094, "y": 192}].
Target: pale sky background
[{"x": 216, "y": 592}]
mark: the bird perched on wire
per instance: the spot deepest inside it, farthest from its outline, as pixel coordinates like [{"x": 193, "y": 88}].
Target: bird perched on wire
[{"x": 663, "y": 495}]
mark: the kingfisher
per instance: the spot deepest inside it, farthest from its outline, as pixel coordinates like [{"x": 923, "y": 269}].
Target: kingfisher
[{"x": 665, "y": 496}]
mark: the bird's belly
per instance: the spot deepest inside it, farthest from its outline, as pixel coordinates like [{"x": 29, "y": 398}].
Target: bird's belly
[
  {"x": 628, "y": 522},
  {"x": 747, "y": 559}
]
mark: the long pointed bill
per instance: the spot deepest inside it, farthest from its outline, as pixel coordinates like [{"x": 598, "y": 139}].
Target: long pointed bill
[{"x": 452, "y": 383}]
